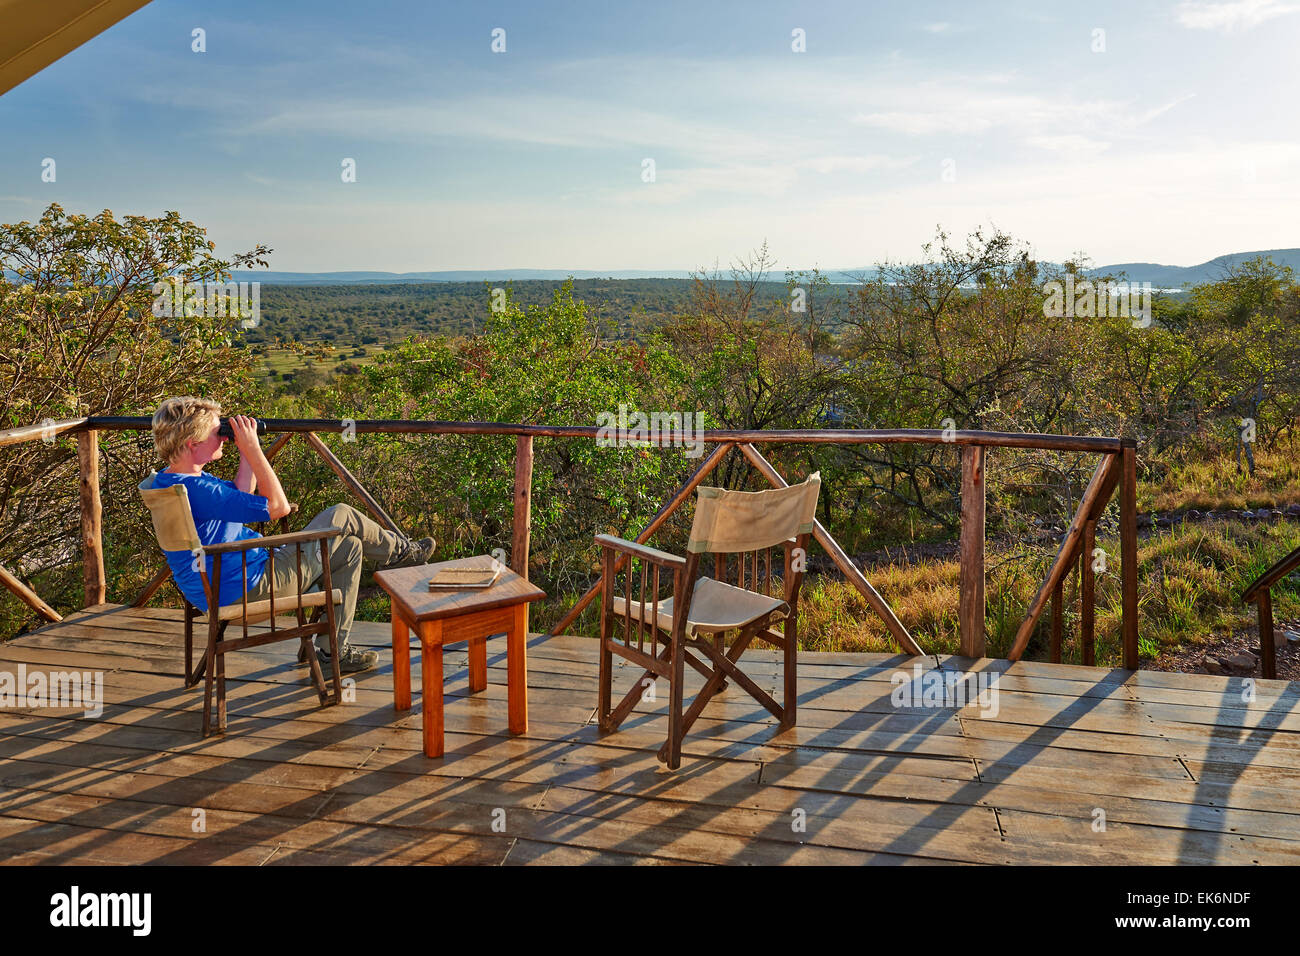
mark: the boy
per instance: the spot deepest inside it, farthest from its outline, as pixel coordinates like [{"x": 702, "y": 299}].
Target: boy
[{"x": 185, "y": 435}]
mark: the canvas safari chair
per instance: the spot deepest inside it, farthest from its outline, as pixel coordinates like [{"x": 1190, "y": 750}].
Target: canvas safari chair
[
  {"x": 698, "y": 615},
  {"x": 173, "y": 524}
]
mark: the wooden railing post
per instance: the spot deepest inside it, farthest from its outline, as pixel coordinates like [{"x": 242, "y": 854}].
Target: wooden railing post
[
  {"x": 1267, "y": 649},
  {"x": 971, "y": 603},
  {"x": 1258, "y": 591},
  {"x": 523, "y": 521},
  {"x": 1087, "y": 596},
  {"x": 1058, "y": 609},
  {"x": 28, "y": 596},
  {"x": 1128, "y": 551},
  {"x": 92, "y": 541}
]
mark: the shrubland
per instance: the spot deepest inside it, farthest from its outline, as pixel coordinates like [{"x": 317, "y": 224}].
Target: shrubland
[{"x": 959, "y": 338}]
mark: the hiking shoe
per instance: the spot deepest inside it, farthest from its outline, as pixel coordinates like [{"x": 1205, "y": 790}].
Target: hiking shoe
[
  {"x": 415, "y": 552},
  {"x": 351, "y": 660},
  {"x": 422, "y": 551}
]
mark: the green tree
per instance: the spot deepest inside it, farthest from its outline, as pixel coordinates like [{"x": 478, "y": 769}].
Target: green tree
[
  {"x": 533, "y": 365},
  {"x": 78, "y": 336}
]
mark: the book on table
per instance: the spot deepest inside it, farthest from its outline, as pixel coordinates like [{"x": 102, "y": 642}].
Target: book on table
[{"x": 462, "y": 579}]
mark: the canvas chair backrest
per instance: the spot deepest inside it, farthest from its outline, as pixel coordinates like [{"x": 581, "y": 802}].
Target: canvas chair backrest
[
  {"x": 730, "y": 521},
  {"x": 173, "y": 523}
]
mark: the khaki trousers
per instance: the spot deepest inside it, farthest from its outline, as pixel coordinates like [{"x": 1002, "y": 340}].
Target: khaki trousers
[{"x": 362, "y": 538}]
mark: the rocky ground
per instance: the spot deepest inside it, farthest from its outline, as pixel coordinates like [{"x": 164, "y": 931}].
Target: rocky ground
[
  {"x": 1171, "y": 518},
  {"x": 1236, "y": 656}
]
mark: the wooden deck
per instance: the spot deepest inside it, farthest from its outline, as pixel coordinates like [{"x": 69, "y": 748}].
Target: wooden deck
[{"x": 1183, "y": 769}]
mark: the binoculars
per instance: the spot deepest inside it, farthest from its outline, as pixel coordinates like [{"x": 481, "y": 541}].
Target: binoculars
[{"x": 225, "y": 431}]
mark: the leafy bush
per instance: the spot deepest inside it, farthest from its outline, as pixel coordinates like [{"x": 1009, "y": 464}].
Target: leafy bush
[{"x": 78, "y": 336}]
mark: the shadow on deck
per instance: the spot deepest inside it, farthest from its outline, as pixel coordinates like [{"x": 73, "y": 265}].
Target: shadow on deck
[{"x": 1183, "y": 770}]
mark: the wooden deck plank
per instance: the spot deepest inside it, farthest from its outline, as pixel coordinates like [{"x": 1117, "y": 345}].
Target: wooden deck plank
[
  {"x": 1231, "y": 746},
  {"x": 532, "y": 853},
  {"x": 1186, "y": 768}
]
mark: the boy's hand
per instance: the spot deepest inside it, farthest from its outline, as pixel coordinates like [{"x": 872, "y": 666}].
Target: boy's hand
[
  {"x": 260, "y": 475},
  {"x": 245, "y": 432}
]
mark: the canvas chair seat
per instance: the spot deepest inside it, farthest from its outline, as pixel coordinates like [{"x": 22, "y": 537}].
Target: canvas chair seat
[
  {"x": 716, "y": 607},
  {"x": 284, "y": 604}
]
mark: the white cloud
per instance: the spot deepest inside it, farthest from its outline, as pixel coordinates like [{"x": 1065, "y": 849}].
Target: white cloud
[
  {"x": 1152, "y": 113},
  {"x": 854, "y": 164},
  {"x": 925, "y": 123},
  {"x": 678, "y": 184},
  {"x": 1069, "y": 143},
  {"x": 1231, "y": 16},
  {"x": 675, "y": 185},
  {"x": 961, "y": 107},
  {"x": 965, "y": 107},
  {"x": 536, "y": 120}
]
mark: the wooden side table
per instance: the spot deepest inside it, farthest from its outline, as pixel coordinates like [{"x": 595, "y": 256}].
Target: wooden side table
[{"x": 443, "y": 617}]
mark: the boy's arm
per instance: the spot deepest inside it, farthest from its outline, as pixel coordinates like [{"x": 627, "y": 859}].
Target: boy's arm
[
  {"x": 262, "y": 476},
  {"x": 245, "y": 480}
]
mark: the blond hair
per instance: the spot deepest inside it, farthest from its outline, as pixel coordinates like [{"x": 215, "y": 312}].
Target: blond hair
[{"x": 182, "y": 419}]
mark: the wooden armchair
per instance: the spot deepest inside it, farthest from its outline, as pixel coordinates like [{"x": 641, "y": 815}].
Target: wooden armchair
[
  {"x": 699, "y": 613},
  {"x": 175, "y": 530}
]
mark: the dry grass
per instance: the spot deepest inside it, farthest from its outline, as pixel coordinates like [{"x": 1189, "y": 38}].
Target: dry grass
[
  {"x": 835, "y": 617},
  {"x": 1215, "y": 485},
  {"x": 1188, "y": 592},
  {"x": 1188, "y": 586}
]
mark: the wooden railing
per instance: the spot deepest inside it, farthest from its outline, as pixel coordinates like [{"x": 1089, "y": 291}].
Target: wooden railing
[
  {"x": 1259, "y": 591},
  {"x": 1117, "y": 468}
]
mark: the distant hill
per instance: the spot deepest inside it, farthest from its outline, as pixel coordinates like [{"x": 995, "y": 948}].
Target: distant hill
[
  {"x": 463, "y": 275},
  {"x": 495, "y": 275},
  {"x": 1162, "y": 276},
  {"x": 1175, "y": 277}
]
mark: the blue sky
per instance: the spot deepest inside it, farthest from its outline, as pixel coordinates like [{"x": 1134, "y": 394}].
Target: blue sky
[{"x": 1175, "y": 143}]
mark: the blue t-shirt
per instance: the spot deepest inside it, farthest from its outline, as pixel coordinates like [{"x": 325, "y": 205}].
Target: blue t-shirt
[{"x": 220, "y": 510}]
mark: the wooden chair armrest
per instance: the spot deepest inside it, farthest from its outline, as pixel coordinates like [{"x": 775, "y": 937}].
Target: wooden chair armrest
[
  {"x": 632, "y": 549},
  {"x": 272, "y": 541}
]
